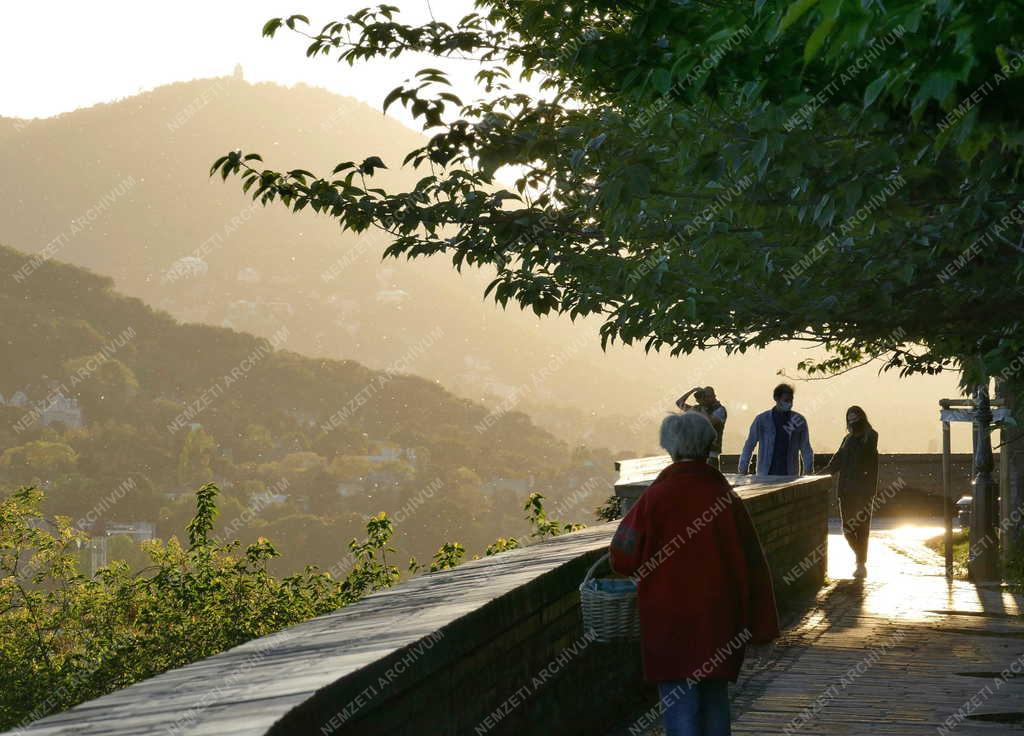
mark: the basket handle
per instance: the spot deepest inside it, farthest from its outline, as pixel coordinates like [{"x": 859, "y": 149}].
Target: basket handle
[{"x": 590, "y": 572}]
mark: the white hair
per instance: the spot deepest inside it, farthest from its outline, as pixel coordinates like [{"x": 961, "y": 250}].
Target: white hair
[{"x": 688, "y": 435}]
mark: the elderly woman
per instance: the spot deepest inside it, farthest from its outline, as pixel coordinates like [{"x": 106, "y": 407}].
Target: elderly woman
[{"x": 704, "y": 588}]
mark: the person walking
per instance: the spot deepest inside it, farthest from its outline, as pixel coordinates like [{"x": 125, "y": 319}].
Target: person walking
[
  {"x": 781, "y": 437},
  {"x": 856, "y": 462},
  {"x": 708, "y": 405},
  {"x": 704, "y": 589}
]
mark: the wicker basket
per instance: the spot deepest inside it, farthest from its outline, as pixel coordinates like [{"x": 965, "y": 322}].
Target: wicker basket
[{"x": 609, "y": 606}]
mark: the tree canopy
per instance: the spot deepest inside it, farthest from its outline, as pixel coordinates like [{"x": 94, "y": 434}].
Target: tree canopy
[{"x": 712, "y": 174}]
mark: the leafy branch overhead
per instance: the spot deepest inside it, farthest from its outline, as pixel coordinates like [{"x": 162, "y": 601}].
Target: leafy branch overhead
[{"x": 701, "y": 175}]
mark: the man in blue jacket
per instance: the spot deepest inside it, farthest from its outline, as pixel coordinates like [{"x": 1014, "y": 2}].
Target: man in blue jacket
[{"x": 781, "y": 437}]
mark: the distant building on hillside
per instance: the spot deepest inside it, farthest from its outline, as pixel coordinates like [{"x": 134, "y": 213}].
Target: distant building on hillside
[
  {"x": 139, "y": 531},
  {"x": 60, "y": 408},
  {"x": 56, "y": 407}
]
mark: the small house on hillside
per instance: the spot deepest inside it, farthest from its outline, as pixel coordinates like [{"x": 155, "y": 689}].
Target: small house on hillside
[{"x": 60, "y": 408}]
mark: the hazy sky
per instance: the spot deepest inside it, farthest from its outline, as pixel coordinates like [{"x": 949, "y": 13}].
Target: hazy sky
[{"x": 107, "y": 49}]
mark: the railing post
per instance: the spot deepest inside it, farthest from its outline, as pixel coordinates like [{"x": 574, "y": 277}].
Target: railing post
[
  {"x": 983, "y": 560},
  {"x": 947, "y": 497}
]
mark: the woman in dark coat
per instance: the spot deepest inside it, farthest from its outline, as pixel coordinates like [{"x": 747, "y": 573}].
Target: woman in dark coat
[
  {"x": 856, "y": 462},
  {"x": 704, "y": 587}
]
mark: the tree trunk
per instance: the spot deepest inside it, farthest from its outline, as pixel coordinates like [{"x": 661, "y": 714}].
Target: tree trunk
[
  {"x": 983, "y": 559},
  {"x": 1011, "y": 479}
]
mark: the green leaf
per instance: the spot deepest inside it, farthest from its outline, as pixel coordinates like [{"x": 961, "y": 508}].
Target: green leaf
[
  {"x": 392, "y": 96},
  {"x": 830, "y": 10},
  {"x": 814, "y": 43},
  {"x": 721, "y": 35},
  {"x": 371, "y": 164},
  {"x": 874, "y": 89},
  {"x": 271, "y": 26},
  {"x": 759, "y": 150},
  {"x": 936, "y": 85},
  {"x": 912, "y": 20},
  {"x": 853, "y": 195},
  {"x": 795, "y": 12},
  {"x": 1004, "y": 60},
  {"x": 661, "y": 80}
]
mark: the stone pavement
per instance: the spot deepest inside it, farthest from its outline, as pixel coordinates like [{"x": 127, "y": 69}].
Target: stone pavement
[{"x": 904, "y": 652}]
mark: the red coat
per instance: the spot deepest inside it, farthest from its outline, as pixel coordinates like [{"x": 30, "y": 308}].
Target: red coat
[{"x": 704, "y": 587}]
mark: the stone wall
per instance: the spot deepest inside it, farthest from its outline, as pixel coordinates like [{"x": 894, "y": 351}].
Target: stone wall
[
  {"x": 518, "y": 665},
  {"x": 521, "y": 664},
  {"x": 494, "y": 646},
  {"x": 792, "y": 523}
]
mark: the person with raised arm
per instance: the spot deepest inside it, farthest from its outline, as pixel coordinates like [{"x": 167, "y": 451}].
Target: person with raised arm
[{"x": 708, "y": 405}]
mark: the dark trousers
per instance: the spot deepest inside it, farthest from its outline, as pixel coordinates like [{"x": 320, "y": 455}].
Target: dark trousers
[
  {"x": 855, "y": 510},
  {"x": 697, "y": 709}
]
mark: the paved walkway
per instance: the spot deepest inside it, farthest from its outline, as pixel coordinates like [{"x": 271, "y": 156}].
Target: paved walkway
[{"x": 905, "y": 652}]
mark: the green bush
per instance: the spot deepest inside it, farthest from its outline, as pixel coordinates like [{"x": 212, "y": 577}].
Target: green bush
[{"x": 66, "y": 637}]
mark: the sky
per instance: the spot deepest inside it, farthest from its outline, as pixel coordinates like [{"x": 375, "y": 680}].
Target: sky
[{"x": 104, "y": 50}]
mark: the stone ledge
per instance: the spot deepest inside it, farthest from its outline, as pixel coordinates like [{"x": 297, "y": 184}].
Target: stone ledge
[{"x": 436, "y": 654}]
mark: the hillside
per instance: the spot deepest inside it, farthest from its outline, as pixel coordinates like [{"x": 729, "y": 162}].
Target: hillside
[
  {"x": 305, "y": 449},
  {"x": 256, "y": 269},
  {"x": 136, "y": 170}
]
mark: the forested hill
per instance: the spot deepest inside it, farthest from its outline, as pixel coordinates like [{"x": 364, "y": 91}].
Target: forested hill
[
  {"x": 166, "y": 406},
  {"x": 141, "y": 165}
]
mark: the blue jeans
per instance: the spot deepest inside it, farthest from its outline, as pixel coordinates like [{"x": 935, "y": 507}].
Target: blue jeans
[{"x": 701, "y": 709}]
